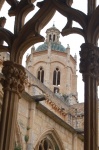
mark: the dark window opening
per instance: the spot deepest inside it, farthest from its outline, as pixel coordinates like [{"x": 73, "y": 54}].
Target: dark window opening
[
  {"x": 53, "y": 37},
  {"x": 56, "y": 90},
  {"x": 56, "y": 77},
  {"x": 42, "y": 76},
  {"x": 39, "y": 75},
  {"x": 50, "y": 37}
]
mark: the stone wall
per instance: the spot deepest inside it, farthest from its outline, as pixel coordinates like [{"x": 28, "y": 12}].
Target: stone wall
[{"x": 41, "y": 121}]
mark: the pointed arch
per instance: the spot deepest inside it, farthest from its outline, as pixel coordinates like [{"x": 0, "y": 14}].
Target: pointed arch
[
  {"x": 56, "y": 76},
  {"x": 49, "y": 137},
  {"x": 40, "y": 74}
]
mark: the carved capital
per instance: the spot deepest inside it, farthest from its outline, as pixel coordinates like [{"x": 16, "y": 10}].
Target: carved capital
[
  {"x": 14, "y": 77},
  {"x": 89, "y": 61}
]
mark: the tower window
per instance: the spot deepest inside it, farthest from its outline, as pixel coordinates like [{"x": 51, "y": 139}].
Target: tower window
[
  {"x": 40, "y": 75},
  {"x": 56, "y": 77},
  {"x": 53, "y": 37},
  {"x": 50, "y": 37}
]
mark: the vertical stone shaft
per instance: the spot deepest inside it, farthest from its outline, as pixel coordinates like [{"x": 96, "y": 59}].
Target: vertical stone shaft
[
  {"x": 90, "y": 114},
  {"x": 13, "y": 85},
  {"x": 89, "y": 67}
]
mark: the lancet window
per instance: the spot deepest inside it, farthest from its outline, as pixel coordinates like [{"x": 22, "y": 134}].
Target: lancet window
[
  {"x": 50, "y": 37},
  {"x": 53, "y": 37},
  {"x": 47, "y": 143},
  {"x": 56, "y": 77},
  {"x": 40, "y": 74}
]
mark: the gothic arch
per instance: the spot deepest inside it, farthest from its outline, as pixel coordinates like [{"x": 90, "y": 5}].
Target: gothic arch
[
  {"x": 39, "y": 63},
  {"x": 40, "y": 74},
  {"x": 52, "y": 136},
  {"x": 58, "y": 62},
  {"x": 56, "y": 76},
  {"x": 57, "y": 67}
]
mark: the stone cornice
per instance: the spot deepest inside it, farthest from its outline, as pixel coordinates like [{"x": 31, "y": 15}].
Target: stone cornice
[
  {"x": 47, "y": 101},
  {"x": 57, "y": 119},
  {"x": 55, "y": 107}
]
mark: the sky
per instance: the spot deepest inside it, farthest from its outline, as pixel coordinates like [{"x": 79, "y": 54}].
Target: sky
[{"x": 74, "y": 40}]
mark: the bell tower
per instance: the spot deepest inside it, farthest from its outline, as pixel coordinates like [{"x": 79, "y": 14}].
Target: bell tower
[{"x": 53, "y": 35}]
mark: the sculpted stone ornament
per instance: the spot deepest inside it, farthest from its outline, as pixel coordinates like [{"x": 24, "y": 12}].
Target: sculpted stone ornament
[
  {"x": 13, "y": 86},
  {"x": 89, "y": 61},
  {"x": 14, "y": 77}
]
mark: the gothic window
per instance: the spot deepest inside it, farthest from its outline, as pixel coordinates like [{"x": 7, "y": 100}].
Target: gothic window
[
  {"x": 40, "y": 75},
  {"x": 53, "y": 37},
  {"x": 45, "y": 144},
  {"x": 48, "y": 143},
  {"x": 50, "y": 37},
  {"x": 56, "y": 77}
]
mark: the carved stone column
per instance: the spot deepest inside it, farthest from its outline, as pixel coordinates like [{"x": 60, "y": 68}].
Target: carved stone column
[
  {"x": 13, "y": 85},
  {"x": 89, "y": 67}
]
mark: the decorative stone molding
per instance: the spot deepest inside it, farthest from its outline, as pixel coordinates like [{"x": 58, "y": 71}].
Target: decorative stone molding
[
  {"x": 89, "y": 59},
  {"x": 14, "y": 77},
  {"x": 55, "y": 107}
]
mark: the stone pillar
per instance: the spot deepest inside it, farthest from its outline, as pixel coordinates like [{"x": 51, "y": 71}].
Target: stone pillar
[
  {"x": 89, "y": 67},
  {"x": 30, "y": 124},
  {"x": 13, "y": 85}
]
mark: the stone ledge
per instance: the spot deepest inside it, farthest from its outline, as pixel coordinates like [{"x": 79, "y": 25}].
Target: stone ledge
[{"x": 58, "y": 120}]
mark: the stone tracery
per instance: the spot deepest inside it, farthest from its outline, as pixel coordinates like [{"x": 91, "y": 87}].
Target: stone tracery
[
  {"x": 27, "y": 34},
  {"x": 49, "y": 140}
]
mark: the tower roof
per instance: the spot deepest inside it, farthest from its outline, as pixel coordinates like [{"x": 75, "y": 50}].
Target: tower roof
[{"x": 54, "y": 46}]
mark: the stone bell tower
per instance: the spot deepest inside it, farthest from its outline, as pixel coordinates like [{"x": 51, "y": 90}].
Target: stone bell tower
[{"x": 53, "y": 65}]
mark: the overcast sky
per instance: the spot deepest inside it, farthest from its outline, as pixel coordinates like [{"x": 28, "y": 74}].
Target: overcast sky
[{"x": 73, "y": 40}]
